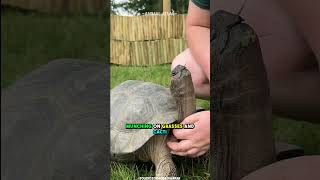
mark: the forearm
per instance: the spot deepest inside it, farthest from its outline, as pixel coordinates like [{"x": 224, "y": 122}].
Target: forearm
[
  {"x": 198, "y": 36},
  {"x": 198, "y": 39}
]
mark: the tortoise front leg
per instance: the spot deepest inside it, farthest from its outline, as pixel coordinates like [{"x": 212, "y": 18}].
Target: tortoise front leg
[{"x": 157, "y": 151}]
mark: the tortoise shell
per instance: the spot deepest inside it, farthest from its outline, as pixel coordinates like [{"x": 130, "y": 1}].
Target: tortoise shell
[{"x": 138, "y": 102}]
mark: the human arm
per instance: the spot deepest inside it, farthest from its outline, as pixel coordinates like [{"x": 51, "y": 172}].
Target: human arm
[{"x": 198, "y": 36}]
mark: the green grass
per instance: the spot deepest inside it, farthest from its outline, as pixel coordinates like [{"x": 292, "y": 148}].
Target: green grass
[
  {"x": 303, "y": 134},
  {"x": 30, "y": 39},
  {"x": 188, "y": 169}
]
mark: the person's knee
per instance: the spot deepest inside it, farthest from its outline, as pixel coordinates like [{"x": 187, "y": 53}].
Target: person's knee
[
  {"x": 176, "y": 61},
  {"x": 199, "y": 82},
  {"x": 201, "y": 87},
  {"x": 185, "y": 58},
  {"x": 180, "y": 59}
]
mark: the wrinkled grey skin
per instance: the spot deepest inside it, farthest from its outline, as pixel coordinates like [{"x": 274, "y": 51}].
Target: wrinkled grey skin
[{"x": 182, "y": 90}]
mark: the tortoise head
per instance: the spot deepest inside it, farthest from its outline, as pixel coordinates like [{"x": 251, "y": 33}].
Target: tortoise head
[{"x": 180, "y": 79}]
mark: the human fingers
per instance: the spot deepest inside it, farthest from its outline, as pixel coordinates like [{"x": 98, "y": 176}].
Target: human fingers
[
  {"x": 192, "y": 152},
  {"x": 182, "y": 133},
  {"x": 199, "y": 153},
  {"x": 182, "y": 146},
  {"x": 191, "y": 118}
]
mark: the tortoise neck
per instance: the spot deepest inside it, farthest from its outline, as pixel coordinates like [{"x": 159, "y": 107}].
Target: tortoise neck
[
  {"x": 186, "y": 106},
  {"x": 182, "y": 90}
]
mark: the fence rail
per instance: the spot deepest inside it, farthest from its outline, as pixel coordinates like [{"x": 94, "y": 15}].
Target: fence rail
[
  {"x": 148, "y": 27},
  {"x": 146, "y": 52},
  {"x": 147, "y": 40}
]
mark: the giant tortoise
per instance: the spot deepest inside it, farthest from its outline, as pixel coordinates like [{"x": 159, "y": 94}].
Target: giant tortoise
[{"x": 143, "y": 102}]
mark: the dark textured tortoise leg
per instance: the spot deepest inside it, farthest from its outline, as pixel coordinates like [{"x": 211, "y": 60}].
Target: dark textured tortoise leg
[
  {"x": 242, "y": 122},
  {"x": 157, "y": 151}
]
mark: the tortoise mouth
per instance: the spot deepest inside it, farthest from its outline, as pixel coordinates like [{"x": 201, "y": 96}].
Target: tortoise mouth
[
  {"x": 173, "y": 73},
  {"x": 178, "y": 70}
]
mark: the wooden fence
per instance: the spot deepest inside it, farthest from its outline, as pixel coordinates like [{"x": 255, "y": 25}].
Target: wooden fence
[
  {"x": 147, "y": 39},
  {"x": 60, "y": 6}
]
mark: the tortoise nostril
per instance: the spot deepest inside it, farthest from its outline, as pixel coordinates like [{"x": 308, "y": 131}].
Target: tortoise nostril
[{"x": 173, "y": 73}]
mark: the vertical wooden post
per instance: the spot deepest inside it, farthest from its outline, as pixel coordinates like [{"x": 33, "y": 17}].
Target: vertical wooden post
[{"x": 166, "y": 6}]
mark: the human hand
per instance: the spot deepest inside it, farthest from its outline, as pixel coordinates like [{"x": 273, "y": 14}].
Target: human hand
[{"x": 194, "y": 142}]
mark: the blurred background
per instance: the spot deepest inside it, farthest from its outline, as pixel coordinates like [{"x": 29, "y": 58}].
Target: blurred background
[
  {"x": 34, "y": 32},
  {"x": 138, "y": 7}
]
